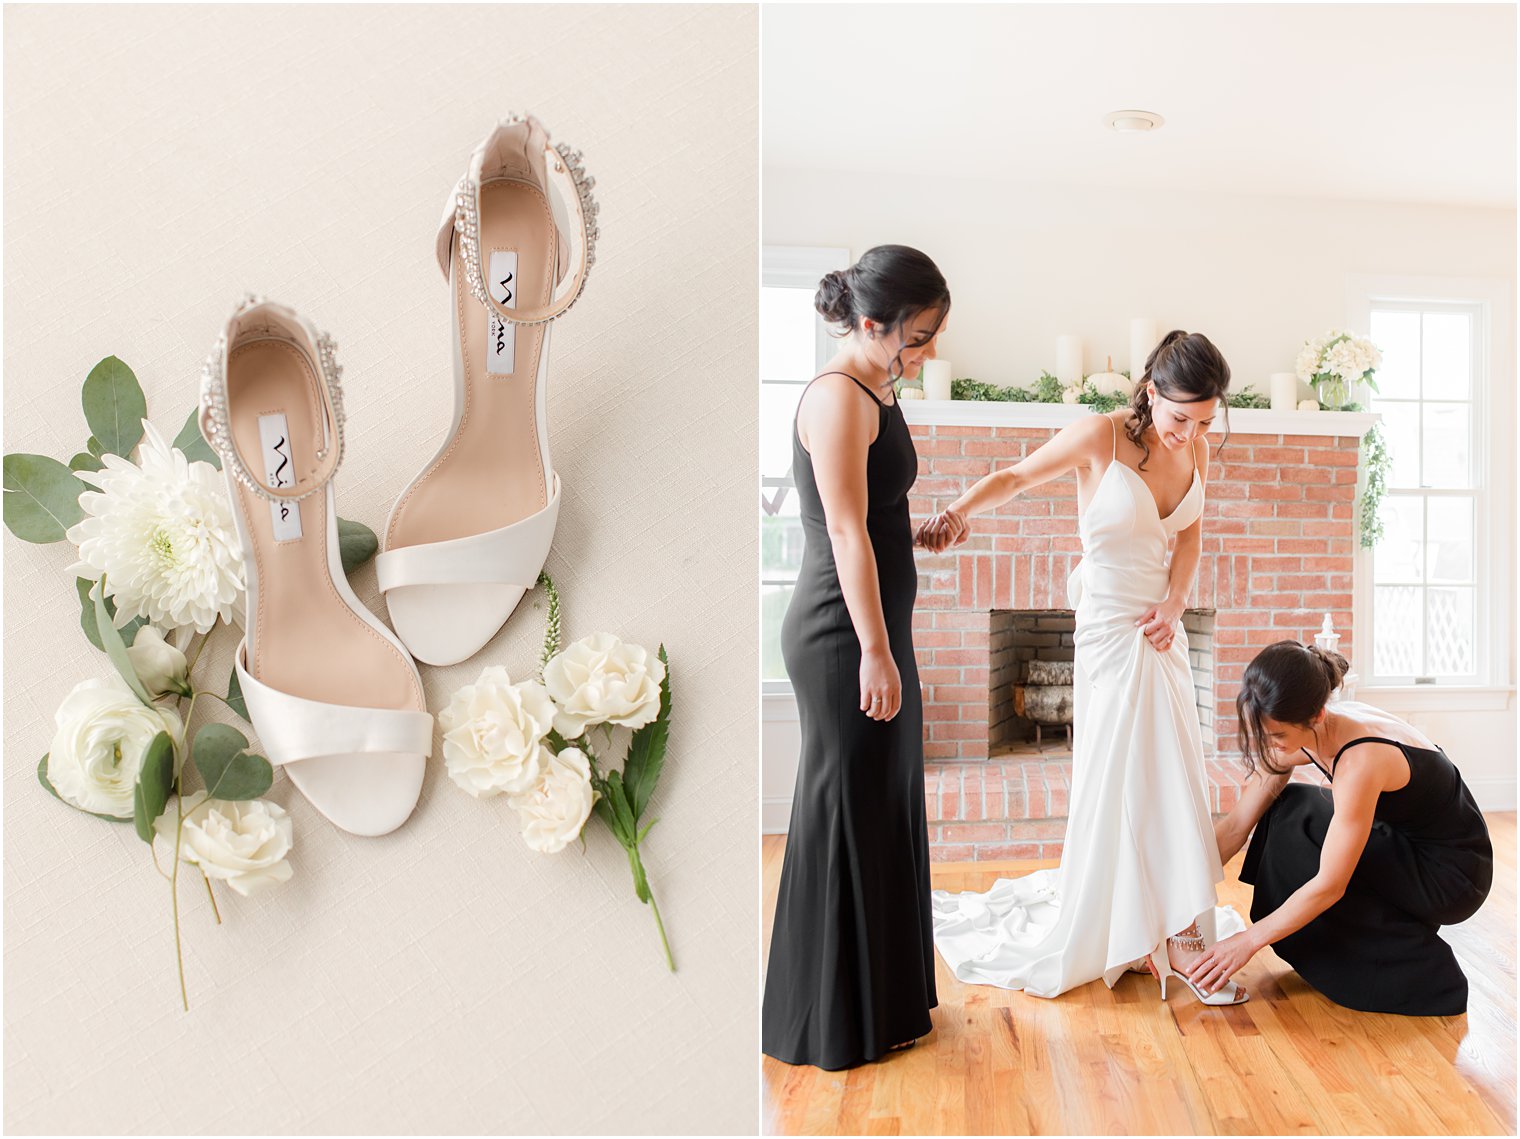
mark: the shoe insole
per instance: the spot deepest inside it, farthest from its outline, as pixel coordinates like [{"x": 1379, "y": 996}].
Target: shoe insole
[
  {"x": 492, "y": 472},
  {"x": 303, "y": 638}
]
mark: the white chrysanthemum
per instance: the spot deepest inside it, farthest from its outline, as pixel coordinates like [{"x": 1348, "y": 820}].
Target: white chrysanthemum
[{"x": 161, "y": 531}]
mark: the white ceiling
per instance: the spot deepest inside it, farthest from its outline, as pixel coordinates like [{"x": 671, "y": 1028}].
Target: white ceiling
[{"x": 1410, "y": 103}]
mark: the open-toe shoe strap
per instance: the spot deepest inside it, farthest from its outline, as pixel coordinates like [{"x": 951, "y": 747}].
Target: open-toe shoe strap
[
  {"x": 512, "y": 555},
  {"x": 519, "y": 150},
  {"x": 293, "y": 729}
]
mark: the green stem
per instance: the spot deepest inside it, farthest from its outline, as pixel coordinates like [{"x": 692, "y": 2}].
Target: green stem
[
  {"x": 179, "y": 955},
  {"x": 212, "y": 896},
  {"x": 653, "y": 905}
]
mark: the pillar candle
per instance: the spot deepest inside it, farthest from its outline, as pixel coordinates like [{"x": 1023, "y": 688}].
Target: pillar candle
[
  {"x": 1068, "y": 358},
  {"x": 937, "y": 379},
  {"x": 1284, "y": 387},
  {"x": 1142, "y": 341}
]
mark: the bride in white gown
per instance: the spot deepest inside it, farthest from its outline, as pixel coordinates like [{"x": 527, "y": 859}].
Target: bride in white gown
[{"x": 1140, "y": 859}]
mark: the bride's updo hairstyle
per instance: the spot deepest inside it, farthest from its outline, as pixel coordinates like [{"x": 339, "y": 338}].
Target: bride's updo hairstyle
[
  {"x": 1186, "y": 368},
  {"x": 1289, "y": 683},
  {"x": 890, "y": 284}
]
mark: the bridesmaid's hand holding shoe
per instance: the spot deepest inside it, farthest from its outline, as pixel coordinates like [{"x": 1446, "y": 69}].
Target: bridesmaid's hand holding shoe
[{"x": 880, "y": 685}]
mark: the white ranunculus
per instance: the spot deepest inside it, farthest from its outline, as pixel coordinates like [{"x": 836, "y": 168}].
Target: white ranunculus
[
  {"x": 244, "y": 844},
  {"x": 161, "y": 531},
  {"x": 556, "y": 807},
  {"x": 103, "y": 733},
  {"x": 492, "y": 732},
  {"x": 159, "y": 665},
  {"x": 601, "y": 680}
]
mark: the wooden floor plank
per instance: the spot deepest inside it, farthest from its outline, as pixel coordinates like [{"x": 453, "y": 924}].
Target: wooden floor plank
[{"x": 1111, "y": 1062}]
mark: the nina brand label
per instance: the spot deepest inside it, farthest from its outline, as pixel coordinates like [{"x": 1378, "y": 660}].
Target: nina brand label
[
  {"x": 501, "y": 349},
  {"x": 279, "y": 471}
]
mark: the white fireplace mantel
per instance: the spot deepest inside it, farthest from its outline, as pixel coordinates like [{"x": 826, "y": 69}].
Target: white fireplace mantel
[{"x": 1243, "y": 421}]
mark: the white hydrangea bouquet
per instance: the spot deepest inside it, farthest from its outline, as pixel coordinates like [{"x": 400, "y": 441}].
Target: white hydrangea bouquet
[
  {"x": 532, "y": 741},
  {"x": 1333, "y": 364},
  {"x": 159, "y": 569}
]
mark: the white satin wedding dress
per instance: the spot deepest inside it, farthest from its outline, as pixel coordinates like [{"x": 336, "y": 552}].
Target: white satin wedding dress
[{"x": 1140, "y": 860}]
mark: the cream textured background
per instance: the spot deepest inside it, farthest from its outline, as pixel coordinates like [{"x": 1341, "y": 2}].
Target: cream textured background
[{"x": 159, "y": 162}]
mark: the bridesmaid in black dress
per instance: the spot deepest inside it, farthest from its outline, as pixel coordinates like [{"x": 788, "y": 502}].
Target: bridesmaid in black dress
[
  {"x": 851, "y": 973},
  {"x": 1352, "y": 881}
]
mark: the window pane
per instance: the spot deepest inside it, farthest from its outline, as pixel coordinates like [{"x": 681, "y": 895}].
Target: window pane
[
  {"x": 1397, "y": 335},
  {"x": 773, "y": 602},
  {"x": 788, "y": 335},
  {"x": 1449, "y": 541},
  {"x": 1448, "y": 445},
  {"x": 1396, "y": 630},
  {"x": 1397, "y": 556},
  {"x": 1450, "y": 614},
  {"x": 781, "y": 539},
  {"x": 1401, "y": 430},
  {"x": 1447, "y": 356},
  {"x": 778, "y": 405}
]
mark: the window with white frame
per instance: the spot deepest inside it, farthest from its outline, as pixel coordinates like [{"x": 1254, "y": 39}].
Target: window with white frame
[
  {"x": 794, "y": 344},
  {"x": 1430, "y": 587}
]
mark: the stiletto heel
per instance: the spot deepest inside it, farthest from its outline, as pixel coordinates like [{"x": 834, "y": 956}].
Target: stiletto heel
[{"x": 1228, "y": 994}]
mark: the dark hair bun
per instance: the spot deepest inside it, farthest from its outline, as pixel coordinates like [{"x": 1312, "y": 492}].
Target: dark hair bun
[
  {"x": 833, "y": 300},
  {"x": 1335, "y": 665}
]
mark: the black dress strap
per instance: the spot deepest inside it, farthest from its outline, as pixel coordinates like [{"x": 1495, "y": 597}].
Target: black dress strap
[
  {"x": 1403, "y": 748},
  {"x": 1316, "y": 762},
  {"x": 847, "y": 376}
]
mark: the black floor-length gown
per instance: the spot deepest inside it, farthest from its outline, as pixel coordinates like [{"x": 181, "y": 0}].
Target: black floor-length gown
[
  {"x": 1428, "y": 863},
  {"x": 851, "y": 969}
]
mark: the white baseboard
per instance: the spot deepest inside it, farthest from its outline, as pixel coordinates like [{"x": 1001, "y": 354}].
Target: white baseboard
[
  {"x": 1493, "y": 794},
  {"x": 775, "y": 814}
]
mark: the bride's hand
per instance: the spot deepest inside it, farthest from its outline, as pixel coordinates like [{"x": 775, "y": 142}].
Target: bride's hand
[
  {"x": 1160, "y": 626},
  {"x": 1223, "y": 960},
  {"x": 880, "y": 685},
  {"x": 951, "y": 528}
]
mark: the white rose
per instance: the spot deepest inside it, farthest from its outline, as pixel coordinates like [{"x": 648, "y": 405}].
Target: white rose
[
  {"x": 243, "y": 844},
  {"x": 556, "y": 807},
  {"x": 492, "y": 732},
  {"x": 601, "y": 680},
  {"x": 159, "y": 665},
  {"x": 103, "y": 733}
]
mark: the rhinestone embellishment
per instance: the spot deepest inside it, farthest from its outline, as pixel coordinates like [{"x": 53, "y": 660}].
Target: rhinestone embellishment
[
  {"x": 214, "y": 403},
  {"x": 467, "y": 225}
]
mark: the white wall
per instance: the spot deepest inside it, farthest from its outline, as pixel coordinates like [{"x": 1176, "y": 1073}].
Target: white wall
[{"x": 1257, "y": 274}]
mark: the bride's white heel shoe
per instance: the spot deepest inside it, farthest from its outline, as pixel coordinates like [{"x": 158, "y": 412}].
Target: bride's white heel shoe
[
  {"x": 469, "y": 535},
  {"x": 334, "y": 697},
  {"x": 1228, "y": 994}
]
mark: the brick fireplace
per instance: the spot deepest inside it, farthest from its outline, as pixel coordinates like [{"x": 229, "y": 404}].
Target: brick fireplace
[{"x": 1278, "y": 541}]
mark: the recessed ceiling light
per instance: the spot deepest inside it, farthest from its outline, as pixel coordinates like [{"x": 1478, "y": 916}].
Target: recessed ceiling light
[{"x": 1133, "y": 122}]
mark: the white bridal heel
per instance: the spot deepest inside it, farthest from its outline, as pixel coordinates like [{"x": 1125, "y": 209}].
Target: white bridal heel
[
  {"x": 1227, "y": 994},
  {"x": 469, "y": 535},
  {"x": 333, "y": 696}
]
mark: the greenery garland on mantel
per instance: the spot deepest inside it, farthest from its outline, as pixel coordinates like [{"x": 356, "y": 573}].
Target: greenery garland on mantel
[{"x": 1374, "y": 459}]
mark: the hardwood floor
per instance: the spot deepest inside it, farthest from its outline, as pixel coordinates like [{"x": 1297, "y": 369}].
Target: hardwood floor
[{"x": 1096, "y": 1061}]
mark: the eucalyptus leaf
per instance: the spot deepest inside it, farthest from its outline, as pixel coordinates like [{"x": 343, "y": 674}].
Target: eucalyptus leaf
[
  {"x": 235, "y": 699},
  {"x": 84, "y": 461},
  {"x": 94, "y": 447},
  {"x": 226, "y": 767},
  {"x": 41, "y": 498},
  {"x": 114, "y": 406},
  {"x": 114, "y": 646},
  {"x": 42, "y": 778},
  {"x": 356, "y": 544},
  {"x": 193, "y": 443},
  {"x": 154, "y": 782},
  {"x": 87, "y": 615}
]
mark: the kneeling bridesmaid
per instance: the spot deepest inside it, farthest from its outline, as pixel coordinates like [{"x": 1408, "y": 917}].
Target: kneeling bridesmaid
[{"x": 1352, "y": 881}]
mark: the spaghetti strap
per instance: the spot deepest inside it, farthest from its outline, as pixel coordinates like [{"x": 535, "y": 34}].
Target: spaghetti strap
[
  {"x": 1316, "y": 762},
  {"x": 1368, "y": 740},
  {"x": 1113, "y": 428},
  {"x": 847, "y": 376}
]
